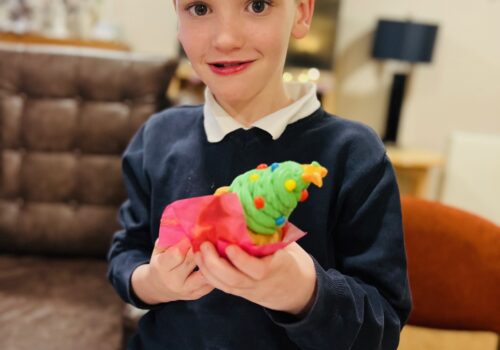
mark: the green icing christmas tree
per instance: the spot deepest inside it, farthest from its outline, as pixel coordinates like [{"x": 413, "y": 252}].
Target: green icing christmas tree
[{"x": 269, "y": 194}]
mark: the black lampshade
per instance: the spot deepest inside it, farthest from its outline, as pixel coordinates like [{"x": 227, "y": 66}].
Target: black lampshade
[{"x": 405, "y": 41}]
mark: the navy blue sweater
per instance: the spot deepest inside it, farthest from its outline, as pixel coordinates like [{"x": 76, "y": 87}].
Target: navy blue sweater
[{"x": 354, "y": 234}]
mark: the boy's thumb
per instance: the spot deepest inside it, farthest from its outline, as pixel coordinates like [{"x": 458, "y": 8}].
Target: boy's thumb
[{"x": 157, "y": 249}]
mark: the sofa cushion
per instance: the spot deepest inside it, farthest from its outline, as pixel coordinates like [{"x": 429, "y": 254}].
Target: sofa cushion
[
  {"x": 57, "y": 304},
  {"x": 453, "y": 265},
  {"x": 66, "y": 116}
]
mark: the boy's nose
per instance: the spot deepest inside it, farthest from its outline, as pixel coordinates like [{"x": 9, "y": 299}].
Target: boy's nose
[{"x": 228, "y": 35}]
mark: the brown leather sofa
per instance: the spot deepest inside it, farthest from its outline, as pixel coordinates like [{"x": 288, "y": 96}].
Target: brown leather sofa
[{"x": 66, "y": 115}]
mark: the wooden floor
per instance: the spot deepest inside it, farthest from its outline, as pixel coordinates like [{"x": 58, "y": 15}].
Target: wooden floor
[{"x": 418, "y": 338}]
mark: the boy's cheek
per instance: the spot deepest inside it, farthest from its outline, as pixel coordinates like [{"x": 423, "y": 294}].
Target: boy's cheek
[{"x": 192, "y": 42}]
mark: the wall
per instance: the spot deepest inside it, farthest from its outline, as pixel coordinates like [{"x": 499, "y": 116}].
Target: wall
[
  {"x": 460, "y": 90},
  {"x": 148, "y": 25}
]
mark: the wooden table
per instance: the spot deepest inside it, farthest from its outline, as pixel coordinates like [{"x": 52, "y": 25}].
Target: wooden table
[{"x": 413, "y": 167}]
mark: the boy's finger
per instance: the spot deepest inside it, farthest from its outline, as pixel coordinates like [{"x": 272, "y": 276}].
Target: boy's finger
[
  {"x": 183, "y": 245},
  {"x": 187, "y": 265},
  {"x": 201, "y": 292},
  {"x": 207, "y": 275},
  {"x": 221, "y": 269},
  {"x": 254, "y": 267},
  {"x": 195, "y": 281},
  {"x": 157, "y": 249},
  {"x": 175, "y": 255}
]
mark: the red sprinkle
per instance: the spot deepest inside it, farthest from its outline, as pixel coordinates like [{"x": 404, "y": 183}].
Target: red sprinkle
[
  {"x": 259, "y": 202},
  {"x": 304, "y": 195},
  {"x": 262, "y": 166}
]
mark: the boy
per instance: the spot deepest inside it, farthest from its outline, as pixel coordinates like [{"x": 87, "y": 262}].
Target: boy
[{"x": 342, "y": 286}]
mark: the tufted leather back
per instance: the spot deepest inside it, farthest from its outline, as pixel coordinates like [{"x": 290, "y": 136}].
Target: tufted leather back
[{"x": 66, "y": 116}]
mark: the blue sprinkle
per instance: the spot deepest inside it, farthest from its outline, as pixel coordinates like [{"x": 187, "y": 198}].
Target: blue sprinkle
[
  {"x": 280, "y": 221},
  {"x": 274, "y": 166}
]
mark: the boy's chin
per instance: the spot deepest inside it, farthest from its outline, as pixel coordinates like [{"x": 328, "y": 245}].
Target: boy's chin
[{"x": 232, "y": 95}]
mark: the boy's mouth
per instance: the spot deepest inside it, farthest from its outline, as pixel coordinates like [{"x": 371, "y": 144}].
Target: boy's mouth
[
  {"x": 223, "y": 64},
  {"x": 227, "y": 67}
]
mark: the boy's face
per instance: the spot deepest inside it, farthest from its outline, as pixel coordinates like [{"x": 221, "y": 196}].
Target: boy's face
[{"x": 238, "y": 47}]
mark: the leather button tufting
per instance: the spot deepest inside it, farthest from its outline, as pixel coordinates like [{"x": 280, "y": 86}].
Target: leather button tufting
[
  {"x": 20, "y": 201},
  {"x": 128, "y": 103},
  {"x": 74, "y": 204}
]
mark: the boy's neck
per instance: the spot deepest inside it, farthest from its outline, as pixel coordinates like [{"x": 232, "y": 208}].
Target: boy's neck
[{"x": 263, "y": 104}]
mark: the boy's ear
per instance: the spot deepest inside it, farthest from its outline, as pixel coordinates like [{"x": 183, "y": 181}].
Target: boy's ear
[{"x": 303, "y": 17}]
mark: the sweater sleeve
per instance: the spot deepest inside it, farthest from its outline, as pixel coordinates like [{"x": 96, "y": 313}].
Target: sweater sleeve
[
  {"x": 365, "y": 300},
  {"x": 131, "y": 246}
]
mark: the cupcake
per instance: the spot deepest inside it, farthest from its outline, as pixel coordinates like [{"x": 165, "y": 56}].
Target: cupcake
[{"x": 269, "y": 194}]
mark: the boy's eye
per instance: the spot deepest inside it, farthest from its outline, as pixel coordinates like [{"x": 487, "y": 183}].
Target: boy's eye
[
  {"x": 258, "y": 6},
  {"x": 198, "y": 9}
]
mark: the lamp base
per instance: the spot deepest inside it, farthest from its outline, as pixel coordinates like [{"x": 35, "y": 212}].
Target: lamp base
[{"x": 395, "y": 104}]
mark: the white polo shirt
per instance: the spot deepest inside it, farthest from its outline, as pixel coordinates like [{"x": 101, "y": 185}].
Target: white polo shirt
[{"x": 218, "y": 123}]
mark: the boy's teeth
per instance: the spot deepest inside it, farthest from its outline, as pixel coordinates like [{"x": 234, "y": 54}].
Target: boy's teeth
[{"x": 227, "y": 64}]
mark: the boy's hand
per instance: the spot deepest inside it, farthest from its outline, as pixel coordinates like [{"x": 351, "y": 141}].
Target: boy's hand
[
  {"x": 284, "y": 281},
  {"x": 169, "y": 276}
]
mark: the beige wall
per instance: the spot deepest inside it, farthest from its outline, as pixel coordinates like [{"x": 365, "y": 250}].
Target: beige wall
[
  {"x": 460, "y": 90},
  {"x": 147, "y": 25}
]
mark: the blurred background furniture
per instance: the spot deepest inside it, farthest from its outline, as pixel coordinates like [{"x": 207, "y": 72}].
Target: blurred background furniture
[
  {"x": 66, "y": 115},
  {"x": 454, "y": 271},
  {"x": 414, "y": 168},
  {"x": 37, "y": 39},
  {"x": 472, "y": 174}
]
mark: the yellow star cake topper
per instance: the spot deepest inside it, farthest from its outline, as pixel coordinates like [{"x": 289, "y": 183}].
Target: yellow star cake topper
[{"x": 314, "y": 173}]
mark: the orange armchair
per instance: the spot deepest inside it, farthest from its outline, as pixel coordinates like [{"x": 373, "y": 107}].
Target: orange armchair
[{"x": 454, "y": 267}]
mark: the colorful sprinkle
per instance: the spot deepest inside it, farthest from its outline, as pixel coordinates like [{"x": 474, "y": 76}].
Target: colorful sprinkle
[
  {"x": 280, "y": 221},
  {"x": 304, "y": 195},
  {"x": 254, "y": 177},
  {"x": 259, "y": 202},
  {"x": 290, "y": 185},
  {"x": 274, "y": 166},
  {"x": 262, "y": 166}
]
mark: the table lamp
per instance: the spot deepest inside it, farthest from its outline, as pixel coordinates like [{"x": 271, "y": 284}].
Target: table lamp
[{"x": 403, "y": 41}]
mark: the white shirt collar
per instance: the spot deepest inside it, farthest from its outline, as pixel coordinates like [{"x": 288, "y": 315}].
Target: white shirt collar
[{"x": 218, "y": 123}]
